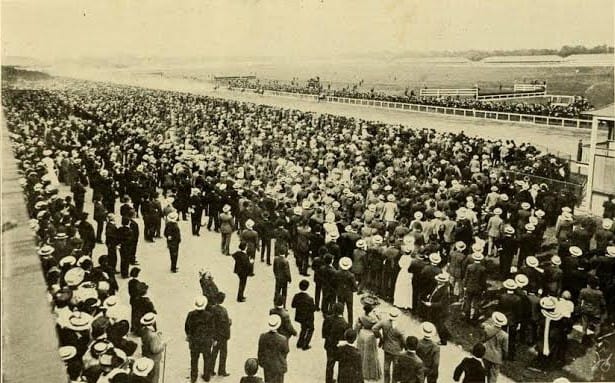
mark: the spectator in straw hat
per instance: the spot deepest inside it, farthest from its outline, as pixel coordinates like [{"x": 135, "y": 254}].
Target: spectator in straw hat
[
  {"x": 346, "y": 285},
  {"x": 496, "y": 344},
  {"x": 527, "y": 243},
  {"x": 429, "y": 352},
  {"x": 391, "y": 340},
  {"x": 333, "y": 329},
  {"x": 173, "y": 236},
  {"x": 604, "y": 234},
  {"x": 509, "y": 245},
  {"x": 553, "y": 276},
  {"x": 152, "y": 345},
  {"x": 227, "y": 226},
  {"x": 250, "y": 237},
  {"x": 475, "y": 284},
  {"x": 199, "y": 327},
  {"x": 272, "y": 351},
  {"x": 437, "y": 306},
  {"x": 511, "y": 305},
  {"x": 494, "y": 230},
  {"x": 456, "y": 268}
]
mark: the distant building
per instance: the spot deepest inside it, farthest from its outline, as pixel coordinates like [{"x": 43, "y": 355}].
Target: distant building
[{"x": 522, "y": 59}]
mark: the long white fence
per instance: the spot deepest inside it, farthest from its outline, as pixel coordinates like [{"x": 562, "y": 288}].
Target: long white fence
[{"x": 432, "y": 109}]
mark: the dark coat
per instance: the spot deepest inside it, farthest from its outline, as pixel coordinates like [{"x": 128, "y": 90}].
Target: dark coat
[
  {"x": 222, "y": 323},
  {"x": 429, "y": 352},
  {"x": 333, "y": 329},
  {"x": 286, "y": 328},
  {"x": 200, "y": 329},
  {"x": 172, "y": 234},
  {"x": 408, "y": 368},
  {"x": 305, "y": 307},
  {"x": 472, "y": 369},
  {"x": 272, "y": 351},
  {"x": 243, "y": 267},
  {"x": 281, "y": 270},
  {"x": 350, "y": 368},
  {"x": 345, "y": 284}
]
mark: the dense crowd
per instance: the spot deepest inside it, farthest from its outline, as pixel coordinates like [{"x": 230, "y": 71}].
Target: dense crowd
[
  {"x": 420, "y": 218},
  {"x": 573, "y": 110}
]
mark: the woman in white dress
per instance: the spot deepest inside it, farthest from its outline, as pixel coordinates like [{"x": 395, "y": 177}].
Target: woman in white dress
[
  {"x": 403, "y": 285},
  {"x": 50, "y": 167}
]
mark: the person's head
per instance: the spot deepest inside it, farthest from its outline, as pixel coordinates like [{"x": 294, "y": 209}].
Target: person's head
[
  {"x": 278, "y": 301},
  {"x": 220, "y": 297},
  {"x": 478, "y": 350},
  {"x": 242, "y": 247},
  {"x": 134, "y": 272},
  {"x": 328, "y": 259},
  {"x": 303, "y": 285},
  {"x": 350, "y": 335},
  {"x": 338, "y": 308},
  {"x": 593, "y": 282},
  {"x": 411, "y": 343},
  {"x": 251, "y": 366}
]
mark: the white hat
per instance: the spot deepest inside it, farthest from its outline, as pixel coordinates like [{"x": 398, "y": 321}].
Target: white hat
[
  {"x": 529, "y": 227},
  {"x": 607, "y": 223},
  {"x": 525, "y": 205},
  {"x": 478, "y": 256},
  {"x": 531, "y": 261},
  {"x": 561, "y": 380},
  {"x": 499, "y": 319},
  {"x": 306, "y": 204},
  {"x": 556, "y": 260},
  {"x": 148, "y": 319},
  {"x": 377, "y": 239},
  {"x": 74, "y": 276},
  {"x": 504, "y": 197},
  {"x": 200, "y": 302},
  {"x": 497, "y": 211},
  {"x": 428, "y": 329},
  {"x": 110, "y": 301},
  {"x": 547, "y": 303},
  {"x": 394, "y": 313},
  {"x": 45, "y": 250},
  {"x": 478, "y": 247},
  {"x": 509, "y": 284},
  {"x": 173, "y": 216},
  {"x": 539, "y": 213},
  {"x": 533, "y": 220},
  {"x": 361, "y": 244},
  {"x": 274, "y": 322},
  {"x": 391, "y": 198},
  {"x": 460, "y": 245},
  {"x": 521, "y": 280},
  {"x": 79, "y": 321},
  {"x": 142, "y": 367},
  {"x": 435, "y": 258},
  {"x": 509, "y": 229},
  {"x": 67, "y": 352},
  {"x": 226, "y": 208},
  {"x": 418, "y": 215},
  {"x": 442, "y": 277},
  {"x": 68, "y": 260},
  {"x": 575, "y": 251},
  {"x": 249, "y": 224},
  {"x": 345, "y": 263},
  {"x": 610, "y": 251}
]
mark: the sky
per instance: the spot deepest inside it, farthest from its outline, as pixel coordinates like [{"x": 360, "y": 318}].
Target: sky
[{"x": 57, "y": 29}]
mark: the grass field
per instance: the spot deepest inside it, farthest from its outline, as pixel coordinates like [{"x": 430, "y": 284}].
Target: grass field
[{"x": 595, "y": 83}]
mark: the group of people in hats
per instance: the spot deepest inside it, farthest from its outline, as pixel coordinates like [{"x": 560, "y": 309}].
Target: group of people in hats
[{"x": 417, "y": 217}]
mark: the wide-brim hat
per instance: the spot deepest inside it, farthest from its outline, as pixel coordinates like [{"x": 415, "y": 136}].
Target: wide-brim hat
[
  {"x": 391, "y": 198},
  {"x": 249, "y": 224},
  {"x": 361, "y": 244},
  {"x": 497, "y": 211},
  {"x": 442, "y": 277},
  {"x": 111, "y": 301},
  {"x": 607, "y": 224},
  {"x": 142, "y": 367},
  {"x": 274, "y": 322},
  {"x": 79, "y": 321},
  {"x": 499, "y": 319},
  {"x": 504, "y": 197},
  {"x": 509, "y": 284},
  {"x": 478, "y": 247},
  {"x": 556, "y": 260},
  {"x": 610, "y": 251},
  {"x": 547, "y": 303},
  {"x": 148, "y": 319},
  {"x": 394, "y": 314},
  {"x": 226, "y": 208},
  {"x": 74, "y": 276},
  {"x": 435, "y": 258},
  {"x": 575, "y": 251},
  {"x": 539, "y": 213},
  {"x": 345, "y": 263},
  {"x": 509, "y": 229},
  {"x": 306, "y": 204},
  {"x": 69, "y": 260},
  {"x": 460, "y": 245},
  {"x": 525, "y": 205},
  {"x": 532, "y": 261},
  {"x": 428, "y": 330},
  {"x": 61, "y": 236},
  {"x": 521, "y": 280},
  {"x": 529, "y": 227},
  {"x": 173, "y": 217},
  {"x": 478, "y": 256},
  {"x": 200, "y": 302},
  {"x": 418, "y": 215}
]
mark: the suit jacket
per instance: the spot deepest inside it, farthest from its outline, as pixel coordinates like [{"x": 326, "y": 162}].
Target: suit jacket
[
  {"x": 333, "y": 329},
  {"x": 429, "y": 352},
  {"x": 439, "y": 299},
  {"x": 408, "y": 368},
  {"x": 281, "y": 270},
  {"x": 350, "y": 368},
  {"x": 243, "y": 267},
  {"x": 286, "y": 328},
  {"x": 305, "y": 307},
  {"x": 475, "y": 279},
  {"x": 222, "y": 323},
  {"x": 172, "y": 234},
  {"x": 473, "y": 371},
  {"x": 392, "y": 338},
  {"x": 345, "y": 284},
  {"x": 199, "y": 328},
  {"x": 272, "y": 351}
]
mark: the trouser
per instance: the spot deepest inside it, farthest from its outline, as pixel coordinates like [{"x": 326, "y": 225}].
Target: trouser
[
  {"x": 347, "y": 301},
  {"x": 133, "y": 253},
  {"x": 79, "y": 205},
  {"x": 148, "y": 229},
  {"x": 273, "y": 377},
  {"x": 136, "y": 205},
  {"x": 156, "y": 227},
  {"x": 389, "y": 361},
  {"x": 305, "y": 335},
  {"x": 194, "y": 363},
  {"x": 360, "y": 281},
  {"x": 124, "y": 262},
  {"x": 281, "y": 288},
  {"x": 439, "y": 321},
  {"x": 328, "y": 300},
  {"x": 506, "y": 260},
  {"x": 493, "y": 370},
  {"x": 112, "y": 257},
  {"x": 100, "y": 225},
  {"x": 472, "y": 303},
  {"x": 528, "y": 331},
  {"x": 330, "y": 365},
  {"x": 317, "y": 294},
  {"x": 173, "y": 254},
  {"x": 266, "y": 249},
  {"x": 243, "y": 279},
  {"x": 386, "y": 288},
  {"x": 195, "y": 221},
  {"x": 302, "y": 262},
  {"x": 375, "y": 280},
  {"x": 226, "y": 243},
  {"x": 512, "y": 340},
  {"x": 220, "y": 348},
  {"x": 213, "y": 219}
]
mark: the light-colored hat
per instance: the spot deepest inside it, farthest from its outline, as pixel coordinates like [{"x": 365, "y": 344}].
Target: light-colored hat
[
  {"x": 610, "y": 251},
  {"x": 226, "y": 208},
  {"x": 531, "y": 261},
  {"x": 249, "y": 224},
  {"x": 79, "y": 321},
  {"x": 394, "y": 313},
  {"x": 460, "y": 245},
  {"x": 111, "y": 301},
  {"x": 74, "y": 276},
  {"x": 45, "y": 250},
  {"x": 142, "y": 367},
  {"x": 442, "y": 277},
  {"x": 504, "y": 197},
  {"x": 575, "y": 251},
  {"x": 173, "y": 216},
  {"x": 377, "y": 239},
  {"x": 306, "y": 204},
  {"x": 67, "y": 352},
  {"x": 274, "y": 322},
  {"x": 435, "y": 258},
  {"x": 494, "y": 188},
  {"x": 69, "y": 260},
  {"x": 499, "y": 319},
  {"x": 556, "y": 260},
  {"x": 509, "y": 229},
  {"x": 497, "y": 211},
  {"x": 478, "y": 256},
  {"x": 428, "y": 329},
  {"x": 561, "y": 380},
  {"x": 200, "y": 302},
  {"x": 547, "y": 303},
  {"x": 148, "y": 319},
  {"x": 418, "y": 215},
  {"x": 521, "y": 280},
  {"x": 533, "y": 220},
  {"x": 607, "y": 223},
  {"x": 529, "y": 227},
  {"x": 539, "y": 213},
  {"x": 361, "y": 244},
  {"x": 509, "y": 284},
  {"x": 345, "y": 263},
  {"x": 391, "y": 198},
  {"x": 478, "y": 247},
  {"x": 330, "y": 218}
]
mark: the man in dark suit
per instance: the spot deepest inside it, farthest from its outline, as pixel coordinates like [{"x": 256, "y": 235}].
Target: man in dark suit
[
  {"x": 134, "y": 238},
  {"x": 475, "y": 284},
  {"x": 350, "y": 364},
  {"x": 243, "y": 269},
  {"x": 304, "y": 307},
  {"x": 281, "y": 272},
  {"x": 328, "y": 275},
  {"x": 429, "y": 352},
  {"x": 391, "y": 340},
  {"x": 286, "y": 328},
  {"x": 173, "y": 236},
  {"x": 272, "y": 351},
  {"x": 333, "y": 329},
  {"x": 409, "y": 367},
  {"x": 472, "y": 368},
  {"x": 222, "y": 333},
  {"x": 265, "y": 232},
  {"x": 346, "y": 285},
  {"x": 196, "y": 210},
  {"x": 123, "y": 239},
  {"x": 437, "y": 304},
  {"x": 199, "y": 328}
]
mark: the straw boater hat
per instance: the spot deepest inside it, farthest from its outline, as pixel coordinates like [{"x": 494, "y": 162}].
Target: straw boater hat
[
  {"x": 539, "y": 213},
  {"x": 533, "y": 220},
  {"x": 306, "y": 204},
  {"x": 148, "y": 319},
  {"x": 377, "y": 239},
  {"x": 74, "y": 276},
  {"x": 509, "y": 284},
  {"x": 142, "y": 367},
  {"x": 79, "y": 321},
  {"x": 67, "y": 352},
  {"x": 607, "y": 224},
  {"x": 556, "y": 260},
  {"x": 547, "y": 303},
  {"x": 111, "y": 301},
  {"x": 345, "y": 263},
  {"x": 391, "y": 198},
  {"x": 575, "y": 251},
  {"x": 249, "y": 224},
  {"x": 173, "y": 216},
  {"x": 494, "y": 188},
  {"x": 69, "y": 260},
  {"x": 226, "y": 208},
  {"x": 442, "y": 277},
  {"x": 394, "y": 314},
  {"x": 361, "y": 244},
  {"x": 428, "y": 330},
  {"x": 532, "y": 261},
  {"x": 478, "y": 256},
  {"x": 200, "y": 302},
  {"x": 525, "y": 205},
  {"x": 497, "y": 211},
  {"x": 477, "y": 247},
  {"x": 499, "y": 319},
  {"x": 435, "y": 258},
  {"x": 521, "y": 280},
  {"x": 529, "y": 227},
  {"x": 610, "y": 251},
  {"x": 460, "y": 246},
  {"x": 504, "y": 197},
  {"x": 509, "y": 230},
  {"x": 61, "y": 236},
  {"x": 274, "y": 322},
  {"x": 418, "y": 215}
]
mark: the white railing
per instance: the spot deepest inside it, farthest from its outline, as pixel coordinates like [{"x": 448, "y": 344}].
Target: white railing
[
  {"x": 510, "y": 96},
  {"x": 436, "y": 92},
  {"x": 529, "y": 87},
  {"x": 434, "y": 109}
]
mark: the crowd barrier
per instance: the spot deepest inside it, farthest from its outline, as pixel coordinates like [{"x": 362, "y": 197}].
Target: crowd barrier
[{"x": 433, "y": 109}]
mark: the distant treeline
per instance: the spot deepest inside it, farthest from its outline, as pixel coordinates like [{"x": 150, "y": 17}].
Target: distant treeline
[
  {"x": 10, "y": 73},
  {"x": 477, "y": 55}
]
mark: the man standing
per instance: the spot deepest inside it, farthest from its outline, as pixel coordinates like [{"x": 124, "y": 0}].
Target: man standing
[
  {"x": 272, "y": 352},
  {"x": 199, "y": 328},
  {"x": 243, "y": 268},
  {"x": 409, "y": 367},
  {"x": 173, "y": 236},
  {"x": 286, "y": 328},
  {"x": 333, "y": 329},
  {"x": 124, "y": 238},
  {"x": 78, "y": 195},
  {"x": 475, "y": 283},
  {"x": 391, "y": 340},
  {"x": 350, "y": 368},
  {"x": 281, "y": 272},
  {"x": 222, "y": 333},
  {"x": 134, "y": 237},
  {"x": 511, "y": 305},
  {"x": 196, "y": 210},
  {"x": 438, "y": 305},
  {"x": 346, "y": 285},
  {"x": 302, "y": 248},
  {"x": 227, "y": 226},
  {"x": 250, "y": 237},
  {"x": 111, "y": 241},
  {"x": 429, "y": 352},
  {"x": 496, "y": 345},
  {"x": 100, "y": 216},
  {"x": 304, "y": 307}
]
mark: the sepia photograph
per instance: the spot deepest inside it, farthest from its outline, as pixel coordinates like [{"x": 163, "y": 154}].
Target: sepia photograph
[{"x": 307, "y": 191}]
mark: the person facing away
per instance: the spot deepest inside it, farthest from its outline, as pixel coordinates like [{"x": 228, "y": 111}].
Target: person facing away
[
  {"x": 272, "y": 352},
  {"x": 251, "y": 368},
  {"x": 349, "y": 359},
  {"x": 409, "y": 367},
  {"x": 199, "y": 328},
  {"x": 304, "y": 307},
  {"x": 472, "y": 368}
]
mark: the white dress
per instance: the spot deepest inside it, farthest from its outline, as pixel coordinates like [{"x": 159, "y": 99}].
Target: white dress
[
  {"x": 50, "y": 167},
  {"x": 402, "y": 297}
]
